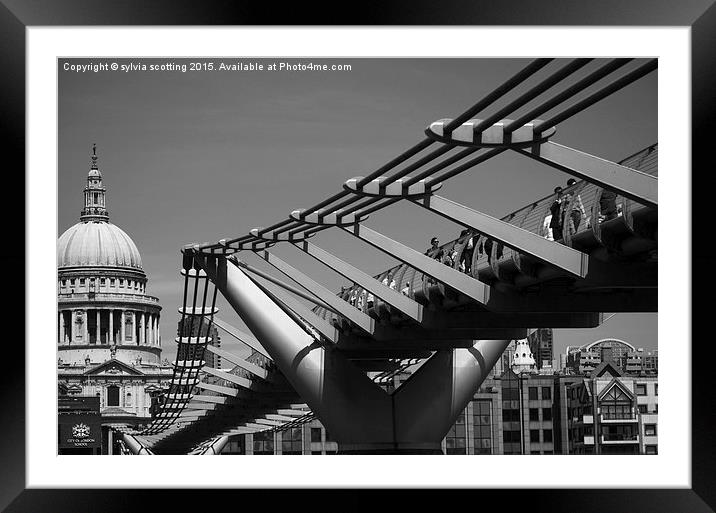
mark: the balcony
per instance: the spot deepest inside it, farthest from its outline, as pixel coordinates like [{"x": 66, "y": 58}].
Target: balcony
[
  {"x": 90, "y": 297},
  {"x": 618, "y": 418},
  {"x": 620, "y": 439}
]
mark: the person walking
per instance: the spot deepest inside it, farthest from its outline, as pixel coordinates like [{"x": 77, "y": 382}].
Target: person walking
[
  {"x": 576, "y": 207},
  {"x": 556, "y": 210}
]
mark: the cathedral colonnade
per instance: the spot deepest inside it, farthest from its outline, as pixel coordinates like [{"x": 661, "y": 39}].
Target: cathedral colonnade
[{"x": 107, "y": 326}]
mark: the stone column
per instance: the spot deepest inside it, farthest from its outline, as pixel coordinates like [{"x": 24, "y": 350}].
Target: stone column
[
  {"x": 151, "y": 329},
  {"x": 61, "y": 329},
  {"x": 73, "y": 318},
  {"x": 134, "y": 326},
  {"x": 111, "y": 326},
  {"x": 142, "y": 325},
  {"x": 97, "y": 329},
  {"x": 85, "y": 324},
  {"x": 122, "y": 336}
]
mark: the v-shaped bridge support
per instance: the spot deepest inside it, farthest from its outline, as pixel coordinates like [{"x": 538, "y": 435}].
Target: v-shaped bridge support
[{"x": 360, "y": 414}]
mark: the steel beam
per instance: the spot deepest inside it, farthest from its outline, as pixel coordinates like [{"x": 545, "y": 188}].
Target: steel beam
[
  {"x": 570, "y": 260},
  {"x": 233, "y": 378},
  {"x": 461, "y": 282},
  {"x": 269, "y": 422},
  {"x": 294, "y": 413},
  {"x": 395, "y": 299},
  {"x": 242, "y": 337},
  {"x": 236, "y": 360},
  {"x": 628, "y": 182},
  {"x": 229, "y": 392},
  {"x": 281, "y": 418},
  {"x": 361, "y": 320},
  {"x": 215, "y": 399}
]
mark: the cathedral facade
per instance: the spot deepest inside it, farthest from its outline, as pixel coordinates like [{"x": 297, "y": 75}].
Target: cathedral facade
[{"x": 109, "y": 343}]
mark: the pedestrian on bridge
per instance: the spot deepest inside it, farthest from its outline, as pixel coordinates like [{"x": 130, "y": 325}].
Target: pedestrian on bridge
[{"x": 556, "y": 211}]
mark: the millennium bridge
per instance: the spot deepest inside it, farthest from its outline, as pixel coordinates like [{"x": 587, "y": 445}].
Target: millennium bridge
[{"x": 453, "y": 309}]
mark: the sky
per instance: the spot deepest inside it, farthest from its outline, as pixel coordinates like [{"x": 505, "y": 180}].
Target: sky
[{"x": 197, "y": 156}]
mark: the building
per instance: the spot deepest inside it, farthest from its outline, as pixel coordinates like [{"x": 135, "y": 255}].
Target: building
[
  {"x": 613, "y": 413},
  {"x": 584, "y": 359},
  {"x": 109, "y": 344},
  {"x": 540, "y": 342}
]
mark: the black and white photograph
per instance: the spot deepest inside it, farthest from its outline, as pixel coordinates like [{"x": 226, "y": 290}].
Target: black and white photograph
[
  {"x": 430, "y": 252},
  {"x": 357, "y": 256}
]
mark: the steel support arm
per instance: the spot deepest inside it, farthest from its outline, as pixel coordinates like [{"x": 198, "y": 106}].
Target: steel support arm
[
  {"x": 351, "y": 313},
  {"x": 395, "y": 299},
  {"x": 570, "y": 260},
  {"x": 448, "y": 380},
  {"x": 461, "y": 282},
  {"x": 343, "y": 397},
  {"x": 623, "y": 180}
]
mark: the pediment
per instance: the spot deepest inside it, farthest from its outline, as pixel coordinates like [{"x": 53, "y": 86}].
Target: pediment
[{"x": 113, "y": 368}]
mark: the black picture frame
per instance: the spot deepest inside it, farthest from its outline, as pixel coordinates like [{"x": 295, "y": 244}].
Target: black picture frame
[{"x": 700, "y": 15}]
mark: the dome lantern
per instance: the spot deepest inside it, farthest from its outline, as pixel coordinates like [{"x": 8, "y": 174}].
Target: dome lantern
[{"x": 95, "y": 193}]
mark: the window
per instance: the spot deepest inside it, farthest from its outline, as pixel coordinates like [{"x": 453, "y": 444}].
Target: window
[
  {"x": 455, "y": 441},
  {"x": 547, "y": 434},
  {"x": 121, "y": 282},
  {"x": 656, "y": 388},
  {"x": 511, "y": 436},
  {"x": 102, "y": 282},
  {"x": 650, "y": 429},
  {"x": 616, "y": 404},
  {"x": 316, "y": 435},
  {"x": 534, "y": 414},
  {"x": 263, "y": 442},
  {"x": 111, "y": 282},
  {"x": 510, "y": 415},
  {"x": 292, "y": 441},
  {"x": 641, "y": 389},
  {"x": 642, "y": 408},
  {"x": 533, "y": 393},
  {"x": 546, "y": 393},
  {"x": 112, "y": 396},
  {"x": 651, "y": 449},
  {"x": 82, "y": 282},
  {"x": 72, "y": 282},
  {"x": 482, "y": 422},
  {"x": 534, "y": 436},
  {"x": 546, "y": 413}
]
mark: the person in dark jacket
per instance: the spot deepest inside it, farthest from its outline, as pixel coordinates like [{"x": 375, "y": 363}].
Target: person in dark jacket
[{"x": 556, "y": 211}]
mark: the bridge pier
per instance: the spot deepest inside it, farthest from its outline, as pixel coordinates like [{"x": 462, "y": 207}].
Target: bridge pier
[{"x": 362, "y": 417}]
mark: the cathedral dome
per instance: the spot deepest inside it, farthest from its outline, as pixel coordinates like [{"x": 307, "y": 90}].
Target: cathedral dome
[{"x": 102, "y": 244}]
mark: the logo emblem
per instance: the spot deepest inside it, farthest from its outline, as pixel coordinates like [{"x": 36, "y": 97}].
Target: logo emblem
[{"x": 80, "y": 430}]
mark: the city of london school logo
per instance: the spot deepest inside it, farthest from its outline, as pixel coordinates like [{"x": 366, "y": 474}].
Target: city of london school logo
[{"x": 80, "y": 430}]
